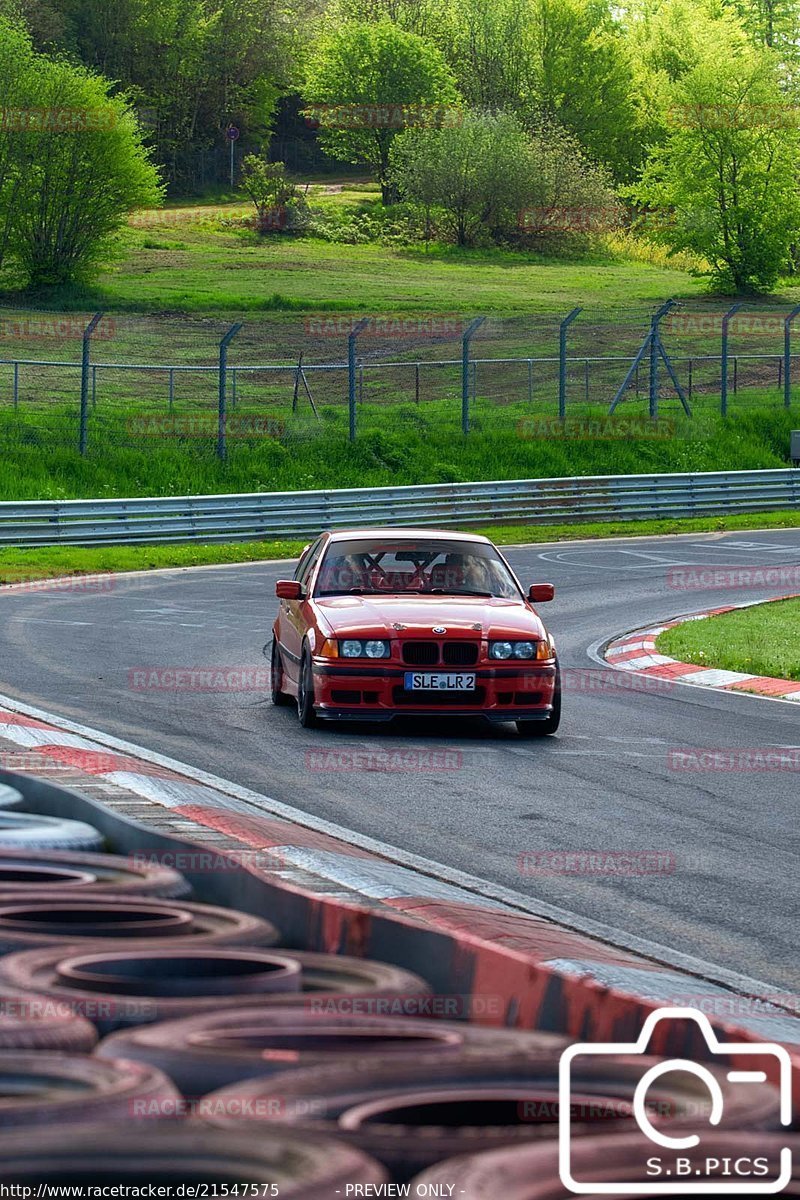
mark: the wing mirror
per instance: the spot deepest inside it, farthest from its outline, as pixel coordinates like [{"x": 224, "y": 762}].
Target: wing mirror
[
  {"x": 289, "y": 589},
  {"x": 540, "y": 593}
]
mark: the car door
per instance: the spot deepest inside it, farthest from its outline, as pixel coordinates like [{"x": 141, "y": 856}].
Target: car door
[{"x": 291, "y": 614}]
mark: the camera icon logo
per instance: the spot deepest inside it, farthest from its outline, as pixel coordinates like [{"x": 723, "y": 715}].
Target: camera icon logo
[{"x": 697, "y": 1173}]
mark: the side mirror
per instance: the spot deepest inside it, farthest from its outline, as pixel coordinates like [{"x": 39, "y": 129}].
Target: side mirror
[
  {"x": 540, "y": 593},
  {"x": 289, "y": 589}
]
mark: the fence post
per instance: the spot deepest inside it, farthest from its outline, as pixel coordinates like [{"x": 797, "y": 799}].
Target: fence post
[
  {"x": 351, "y": 372},
  {"x": 16, "y": 385},
  {"x": 222, "y": 435},
  {"x": 655, "y": 337},
  {"x": 787, "y": 356},
  {"x": 465, "y": 343},
  {"x": 562, "y": 362},
  {"x": 85, "y": 364},
  {"x": 723, "y": 402}
]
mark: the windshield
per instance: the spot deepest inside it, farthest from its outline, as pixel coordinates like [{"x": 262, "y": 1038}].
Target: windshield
[{"x": 415, "y": 567}]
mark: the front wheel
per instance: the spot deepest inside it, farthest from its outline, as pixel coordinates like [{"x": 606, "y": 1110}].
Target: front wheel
[
  {"x": 305, "y": 693},
  {"x": 538, "y": 729}
]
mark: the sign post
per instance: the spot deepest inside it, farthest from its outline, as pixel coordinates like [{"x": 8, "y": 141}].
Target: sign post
[{"x": 232, "y": 133}]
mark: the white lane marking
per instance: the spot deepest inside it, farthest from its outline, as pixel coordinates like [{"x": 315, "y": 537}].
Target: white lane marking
[
  {"x": 172, "y": 793},
  {"x": 481, "y": 889},
  {"x": 45, "y": 621},
  {"x": 561, "y": 557},
  {"x": 647, "y": 660},
  {"x": 24, "y": 735},
  {"x": 373, "y": 878},
  {"x": 716, "y": 678}
]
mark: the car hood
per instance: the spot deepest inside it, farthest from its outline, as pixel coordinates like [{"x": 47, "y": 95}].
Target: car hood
[{"x": 416, "y": 616}]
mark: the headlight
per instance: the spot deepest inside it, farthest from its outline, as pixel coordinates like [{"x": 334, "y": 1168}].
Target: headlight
[
  {"x": 357, "y": 648},
  {"x": 506, "y": 650}
]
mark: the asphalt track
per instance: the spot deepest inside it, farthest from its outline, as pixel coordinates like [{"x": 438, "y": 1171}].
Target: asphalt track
[{"x": 725, "y": 889}]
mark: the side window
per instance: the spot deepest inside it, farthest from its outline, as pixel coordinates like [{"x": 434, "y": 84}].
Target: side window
[{"x": 308, "y": 562}]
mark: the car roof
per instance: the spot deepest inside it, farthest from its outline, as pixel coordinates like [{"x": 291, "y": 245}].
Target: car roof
[{"x": 395, "y": 533}]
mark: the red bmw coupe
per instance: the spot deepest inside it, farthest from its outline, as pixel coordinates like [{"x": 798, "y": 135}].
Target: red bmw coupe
[{"x": 377, "y": 624}]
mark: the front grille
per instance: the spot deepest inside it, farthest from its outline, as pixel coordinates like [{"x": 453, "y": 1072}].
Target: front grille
[
  {"x": 420, "y": 653},
  {"x": 438, "y": 699},
  {"x": 462, "y": 653}
]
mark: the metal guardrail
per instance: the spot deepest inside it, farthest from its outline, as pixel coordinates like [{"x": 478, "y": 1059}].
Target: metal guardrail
[{"x": 299, "y": 514}]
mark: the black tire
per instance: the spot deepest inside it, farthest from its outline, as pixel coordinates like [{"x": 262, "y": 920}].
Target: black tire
[
  {"x": 115, "y": 988},
  {"x": 203, "y": 1054},
  {"x": 412, "y": 1114},
  {"x": 29, "y": 1023},
  {"x": 169, "y": 1152},
  {"x": 30, "y": 831},
  {"x": 540, "y": 729},
  {"x": 45, "y": 1089},
  {"x": 25, "y": 871},
  {"x": 305, "y": 693},
  {"x": 10, "y": 797},
  {"x": 89, "y": 919},
  {"x": 279, "y": 698}
]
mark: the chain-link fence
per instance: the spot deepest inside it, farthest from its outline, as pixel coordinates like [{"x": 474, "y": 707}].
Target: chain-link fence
[{"x": 206, "y": 384}]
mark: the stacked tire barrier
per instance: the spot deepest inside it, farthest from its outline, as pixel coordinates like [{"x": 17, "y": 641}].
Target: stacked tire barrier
[{"x": 152, "y": 1037}]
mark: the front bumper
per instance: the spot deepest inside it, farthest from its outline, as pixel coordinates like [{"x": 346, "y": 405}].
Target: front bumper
[{"x": 377, "y": 693}]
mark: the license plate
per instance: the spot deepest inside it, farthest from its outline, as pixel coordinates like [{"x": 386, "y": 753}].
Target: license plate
[{"x": 425, "y": 681}]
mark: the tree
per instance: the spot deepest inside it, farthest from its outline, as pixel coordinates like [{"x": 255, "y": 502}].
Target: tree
[
  {"x": 472, "y": 173},
  {"x": 490, "y": 178},
  {"x": 365, "y": 82},
  {"x": 16, "y": 58},
  {"x": 78, "y": 167},
  {"x": 270, "y": 191},
  {"x": 727, "y": 171}
]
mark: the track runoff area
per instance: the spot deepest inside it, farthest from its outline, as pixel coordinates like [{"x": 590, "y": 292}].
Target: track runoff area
[{"x": 660, "y": 820}]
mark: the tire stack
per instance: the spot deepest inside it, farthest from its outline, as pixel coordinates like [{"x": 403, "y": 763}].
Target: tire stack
[{"x": 153, "y": 1038}]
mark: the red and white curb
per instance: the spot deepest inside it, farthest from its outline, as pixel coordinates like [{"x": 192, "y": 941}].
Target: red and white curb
[{"x": 637, "y": 651}]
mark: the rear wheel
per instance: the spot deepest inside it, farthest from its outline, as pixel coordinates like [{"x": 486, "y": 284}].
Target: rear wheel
[
  {"x": 538, "y": 729},
  {"x": 276, "y": 681},
  {"x": 305, "y": 693}
]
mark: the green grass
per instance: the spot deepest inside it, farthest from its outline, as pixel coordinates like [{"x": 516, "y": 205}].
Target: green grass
[
  {"x": 209, "y": 265},
  {"x": 761, "y": 640},
  {"x": 18, "y": 565},
  {"x": 401, "y": 445}
]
